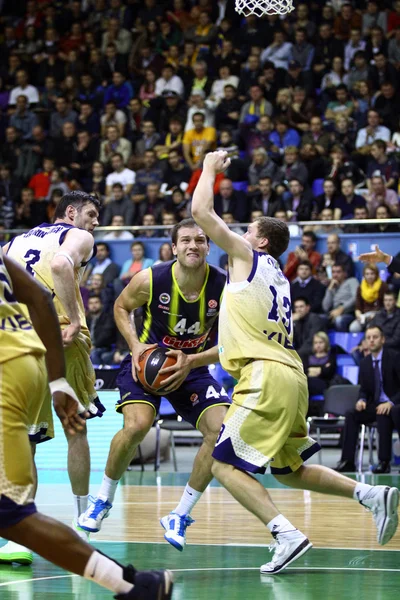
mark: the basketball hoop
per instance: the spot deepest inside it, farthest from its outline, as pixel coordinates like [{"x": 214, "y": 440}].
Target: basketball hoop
[{"x": 263, "y": 7}]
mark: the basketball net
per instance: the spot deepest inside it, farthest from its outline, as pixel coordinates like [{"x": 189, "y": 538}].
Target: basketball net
[{"x": 263, "y": 7}]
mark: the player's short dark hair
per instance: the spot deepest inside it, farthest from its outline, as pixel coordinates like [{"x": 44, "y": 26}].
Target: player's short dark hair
[
  {"x": 277, "y": 233},
  {"x": 76, "y": 199},
  {"x": 190, "y": 223}
]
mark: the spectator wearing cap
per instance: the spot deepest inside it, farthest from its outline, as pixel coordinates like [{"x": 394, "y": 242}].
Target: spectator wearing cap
[
  {"x": 379, "y": 194},
  {"x": 169, "y": 105},
  {"x": 279, "y": 52},
  {"x": 169, "y": 81},
  {"x": 197, "y": 141},
  {"x": 199, "y": 103},
  {"x": 256, "y": 107}
]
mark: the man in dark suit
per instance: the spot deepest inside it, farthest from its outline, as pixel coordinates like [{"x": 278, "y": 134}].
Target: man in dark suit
[
  {"x": 379, "y": 400},
  {"x": 230, "y": 201},
  {"x": 305, "y": 325},
  {"x": 306, "y": 286}
]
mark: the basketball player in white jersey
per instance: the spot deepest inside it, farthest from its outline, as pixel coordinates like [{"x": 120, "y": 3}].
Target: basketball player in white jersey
[
  {"x": 56, "y": 254},
  {"x": 266, "y": 423}
]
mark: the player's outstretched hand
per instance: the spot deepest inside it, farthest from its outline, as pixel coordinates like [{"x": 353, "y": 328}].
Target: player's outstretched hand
[
  {"x": 67, "y": 407},
  {"x": 217, "y": 161},
  {"x": 377, "y": 256},
  {"x": 178, "y": 372},
  {"x": 137, "y": 352}
]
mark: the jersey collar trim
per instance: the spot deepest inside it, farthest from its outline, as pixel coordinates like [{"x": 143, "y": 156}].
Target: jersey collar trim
[{"x": 179, "y": 289}]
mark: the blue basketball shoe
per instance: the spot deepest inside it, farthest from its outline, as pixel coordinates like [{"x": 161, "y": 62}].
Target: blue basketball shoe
[
  {"x": 175, "y": 529},
  {"x": 92, "y": 518}
]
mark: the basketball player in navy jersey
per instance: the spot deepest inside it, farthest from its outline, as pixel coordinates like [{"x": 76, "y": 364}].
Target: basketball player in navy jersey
[{"x": 181, "y": 301}]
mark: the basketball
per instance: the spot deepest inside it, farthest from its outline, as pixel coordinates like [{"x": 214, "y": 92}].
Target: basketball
[{"x": 151, "y": 361}]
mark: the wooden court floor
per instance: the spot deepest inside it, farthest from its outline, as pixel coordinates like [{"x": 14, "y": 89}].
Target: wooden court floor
[{"x": 226, "y": 545}]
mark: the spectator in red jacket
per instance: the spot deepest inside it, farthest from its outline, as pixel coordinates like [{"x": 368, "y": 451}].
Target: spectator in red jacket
[
  {"x": 40, "y": 183},
  {"x": 304, "y": 252}
]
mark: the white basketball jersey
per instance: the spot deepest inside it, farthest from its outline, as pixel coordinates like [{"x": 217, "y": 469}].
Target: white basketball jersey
[
  {"x": 35, "y": 251},
  {"x": 255, "y": 320}
]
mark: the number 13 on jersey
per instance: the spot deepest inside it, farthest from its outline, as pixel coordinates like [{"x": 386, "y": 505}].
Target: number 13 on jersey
[{"x": 276, "y": 311}]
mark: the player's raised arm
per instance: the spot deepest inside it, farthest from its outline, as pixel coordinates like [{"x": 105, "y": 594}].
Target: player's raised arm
[
  {"x": 76, "y": 248},
  {"x": 203, "y": 209},
  {"x": 45, "y": 321},
  {"x": 135, "y": 295}
]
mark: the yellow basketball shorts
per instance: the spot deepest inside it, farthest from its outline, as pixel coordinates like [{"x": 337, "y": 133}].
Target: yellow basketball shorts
[
  {"x": 266, "y": 423},
  {"x": 81, "y": 377},
  {"x": 23, "y": 385}
]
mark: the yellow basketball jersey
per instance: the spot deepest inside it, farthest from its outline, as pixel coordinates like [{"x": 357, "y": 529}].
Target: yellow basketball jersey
[
  {"x": 17, "y": 335},
  {"x": 255, "y": 320},
  {"x": 35, "y": 250}
]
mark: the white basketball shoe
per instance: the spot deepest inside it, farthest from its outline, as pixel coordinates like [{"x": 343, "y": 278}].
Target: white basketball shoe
[
  {"x": 383, "y": 501},
  {"x": 287, "y": 548}
]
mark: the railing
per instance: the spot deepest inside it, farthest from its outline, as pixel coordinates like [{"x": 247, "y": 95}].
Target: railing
[{"x": 139, "y": 228}]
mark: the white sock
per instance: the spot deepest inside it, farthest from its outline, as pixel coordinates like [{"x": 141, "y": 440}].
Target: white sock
[
  {"x": 80, "y": 505},
  {"x": 189, "y": 499},
  {"x": 107, "y": 573},
  {"x": 360, "y": 490},
  {"x": 108, "y": 489},
  {"x": 280, "y": 524}
]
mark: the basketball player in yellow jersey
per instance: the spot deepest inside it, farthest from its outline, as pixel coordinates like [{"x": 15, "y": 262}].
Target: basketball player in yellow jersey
[
  {"x": 23, "y": 382},
  {"x": 55, "y": 255},
  {"x": 266, "y": 423}
]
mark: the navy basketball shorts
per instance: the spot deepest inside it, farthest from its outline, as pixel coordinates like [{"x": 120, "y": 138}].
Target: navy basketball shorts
[{"x": 199, "y": 392}]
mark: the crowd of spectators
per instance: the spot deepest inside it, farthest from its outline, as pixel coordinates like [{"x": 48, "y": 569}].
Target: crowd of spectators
[{"x": 123, "y": 98}]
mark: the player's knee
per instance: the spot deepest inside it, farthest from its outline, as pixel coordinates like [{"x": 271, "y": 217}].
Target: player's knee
[
  {"x": 136, "y": 429},
  {"x": 220, "y": 470}
]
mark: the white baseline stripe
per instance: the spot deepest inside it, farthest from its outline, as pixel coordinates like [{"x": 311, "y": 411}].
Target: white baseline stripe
[{"x": 38, "y": 579}]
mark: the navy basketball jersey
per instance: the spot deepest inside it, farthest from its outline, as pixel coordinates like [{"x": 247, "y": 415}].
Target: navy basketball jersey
[{"x": 174, "y": 322}]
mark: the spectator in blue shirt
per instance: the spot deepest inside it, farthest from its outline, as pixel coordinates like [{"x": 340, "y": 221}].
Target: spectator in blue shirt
[
  {"x": 120, "y": 91},
  {"x": 283, "y": 136},
  {"x": 24, "y": 120}
]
